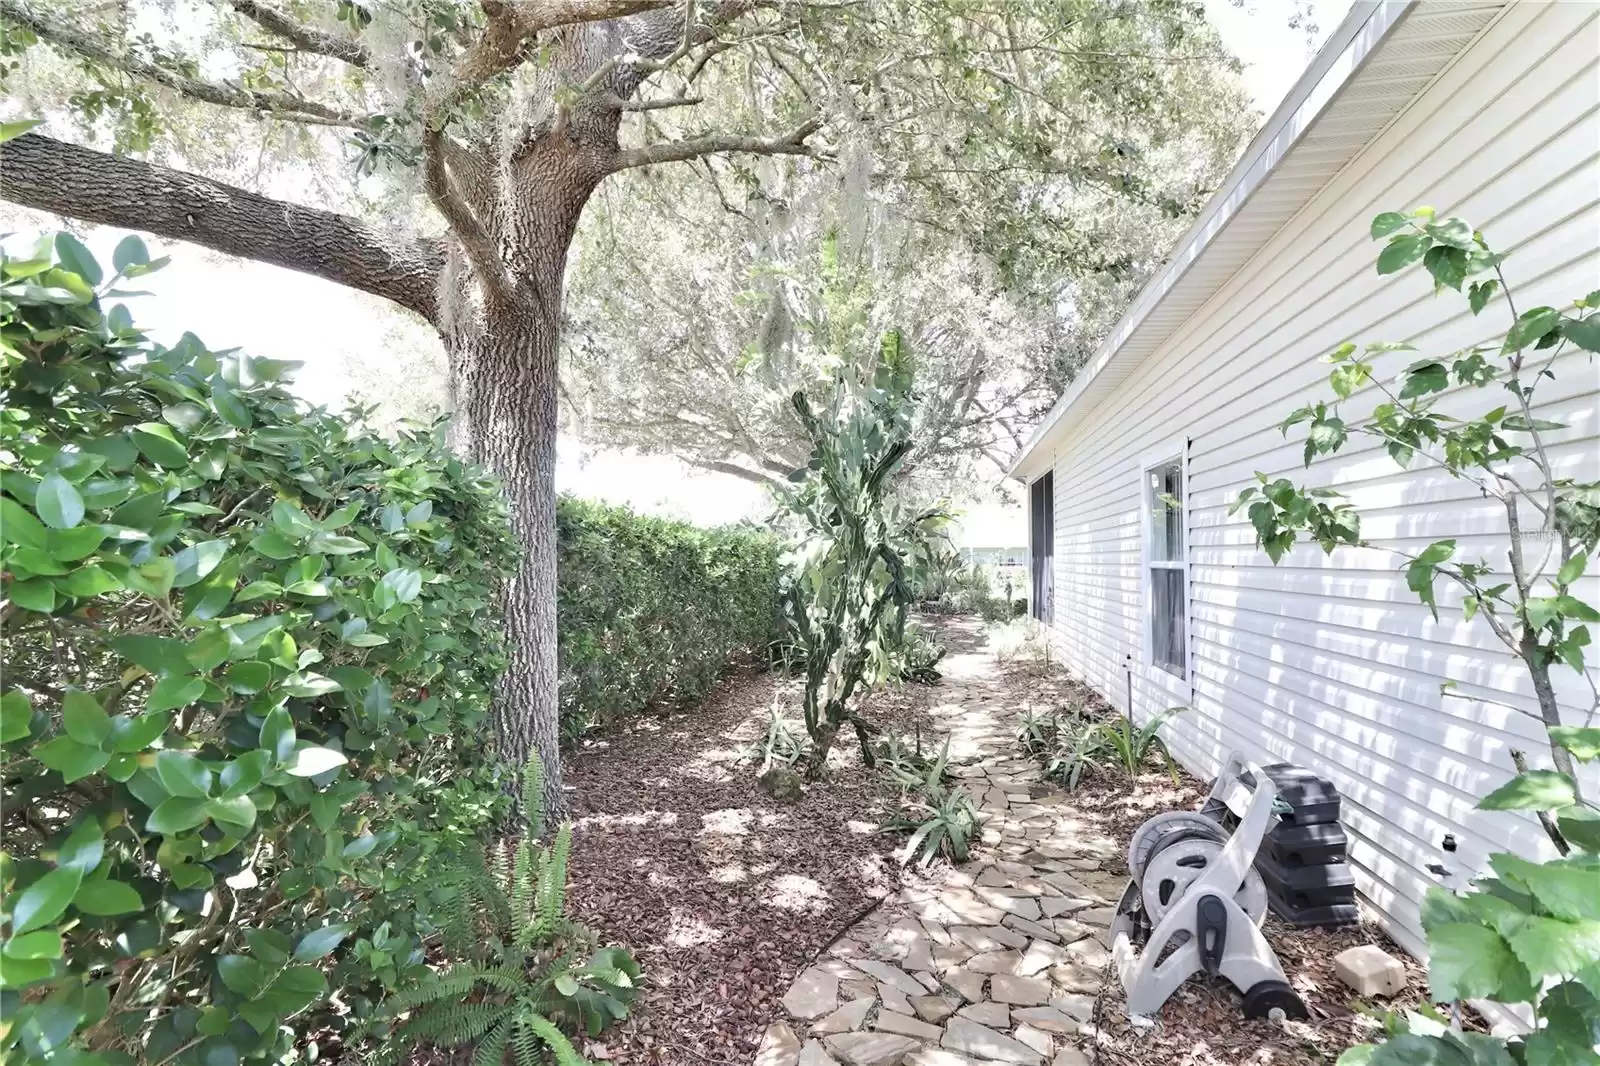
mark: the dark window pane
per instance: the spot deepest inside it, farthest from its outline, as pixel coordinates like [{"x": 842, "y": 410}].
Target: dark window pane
[{"x": 1167, "y": 620}]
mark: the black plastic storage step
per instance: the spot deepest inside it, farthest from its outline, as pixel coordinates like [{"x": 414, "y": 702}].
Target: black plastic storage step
[
  {"x": 1335, "y": 917},
  {"x": 1302, "y": 857},
  {"x": 1308, "y": 886},
  {"x": 1290, "y": 845},
  {"x": 1312, "y": 800}
]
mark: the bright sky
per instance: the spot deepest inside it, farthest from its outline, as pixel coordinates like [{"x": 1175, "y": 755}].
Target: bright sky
[{"x": 278, "y": 313}]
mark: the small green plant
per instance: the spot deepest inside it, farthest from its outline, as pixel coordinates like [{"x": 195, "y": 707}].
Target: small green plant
[
  {"x": 1529, "y": 933},
  {"x": 1036, "y": 732},
  {"x": 516, "y": 985},
  {"x": 918, "y": 657},
  {"x": 782, "y": 742}
]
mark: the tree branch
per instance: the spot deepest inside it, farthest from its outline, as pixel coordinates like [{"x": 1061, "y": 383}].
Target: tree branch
[
  {"x": 465, "y": 224},
  {"x": 744, "y": 473},
  {"x": 791, "y": 143},
  {"x": 307, "y": 38},
  {"x": 511, "y": 28},
  {"x": 619, "y": 104},
  {"x": 269, "y": 104},
  {"x": 66, "y": 179}
]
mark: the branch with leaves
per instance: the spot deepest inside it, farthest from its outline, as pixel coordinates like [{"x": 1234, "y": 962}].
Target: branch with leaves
[
  {"x": 268, "y": 104},
  {"x": 791, "y": 143},
  {"x": 1503, "y": 451},
  {"x": 306, "y": 38}
]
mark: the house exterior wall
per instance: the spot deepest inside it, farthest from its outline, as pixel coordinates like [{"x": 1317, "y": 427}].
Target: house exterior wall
[{"x": 1331, "y": 662}]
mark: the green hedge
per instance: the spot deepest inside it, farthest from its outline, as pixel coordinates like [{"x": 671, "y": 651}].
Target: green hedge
[
  {"x": 651, "y": 611},
  {"x": 249, "y": 652}
]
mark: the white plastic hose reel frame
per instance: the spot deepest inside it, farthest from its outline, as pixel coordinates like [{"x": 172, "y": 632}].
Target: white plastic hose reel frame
[{"x": 1199, "y": 890}]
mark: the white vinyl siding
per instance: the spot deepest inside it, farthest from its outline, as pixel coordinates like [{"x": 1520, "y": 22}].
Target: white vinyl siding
[{"x": 1331, "y": 662}]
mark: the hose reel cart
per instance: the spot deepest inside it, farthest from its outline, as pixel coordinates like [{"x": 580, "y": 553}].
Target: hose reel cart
[{"x": 1194, "y": 902}]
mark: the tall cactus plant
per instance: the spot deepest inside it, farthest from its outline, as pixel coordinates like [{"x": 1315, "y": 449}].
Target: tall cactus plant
[{"x": 847, "y": 603}]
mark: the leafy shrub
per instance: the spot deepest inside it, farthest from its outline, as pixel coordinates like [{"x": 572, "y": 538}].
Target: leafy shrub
[
  {"x": 942, "y": 820},
  {"x": 1530, "y": 933},
  {"x": 846, "y": 605},
  {"x": 936, "y": 576},
  {"x": 249, "y": 654},
  {"x": 943, "y": 588},
  {"x": 651, "y": 610},
  {"x": 1527, "y": 934},
  {"x": 1019, "y": 640},
  {"x": 516, "y": 984}
]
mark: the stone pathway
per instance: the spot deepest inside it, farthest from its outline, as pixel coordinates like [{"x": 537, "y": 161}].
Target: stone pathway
[{"x": 998, "y": 961}]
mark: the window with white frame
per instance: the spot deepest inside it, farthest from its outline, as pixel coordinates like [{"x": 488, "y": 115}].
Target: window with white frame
[{"x": 1166, "y": 566}]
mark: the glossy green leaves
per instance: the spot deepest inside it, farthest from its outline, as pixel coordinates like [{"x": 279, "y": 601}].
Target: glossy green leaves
[{"x": 206, "y": 710}]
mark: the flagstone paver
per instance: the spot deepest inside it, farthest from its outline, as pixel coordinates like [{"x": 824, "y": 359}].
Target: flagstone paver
[{"x": 998, "y": 960}]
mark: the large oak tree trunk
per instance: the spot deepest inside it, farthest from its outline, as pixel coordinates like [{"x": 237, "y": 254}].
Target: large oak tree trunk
[
  {"x": 505, "y": 374},
  {"x": 503, "y": 353}
]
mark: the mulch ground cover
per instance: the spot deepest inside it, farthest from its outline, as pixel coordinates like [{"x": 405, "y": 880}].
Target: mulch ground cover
[{"x": 722, "y": 893}]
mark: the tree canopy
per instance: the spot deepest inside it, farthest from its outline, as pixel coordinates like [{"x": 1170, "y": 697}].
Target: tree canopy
[{"x": 440, "y": 154}]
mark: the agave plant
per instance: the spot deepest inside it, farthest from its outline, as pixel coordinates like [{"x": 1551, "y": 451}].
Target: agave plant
[
  {"x": 943, "y": 821},
  {"x": 1081, "y": 745},
  {"x": 1076, "y": 747},
  {"x": 1036, "y": 732},
  {"x": 515, "y": 987},
  {"x": 898, "y": 761},
  {"x": 908, "y": 769},
  {"x": 1130, "y": 747},
  {"x": 918, "y": 656},
  {"x": 782, "y": 741}
]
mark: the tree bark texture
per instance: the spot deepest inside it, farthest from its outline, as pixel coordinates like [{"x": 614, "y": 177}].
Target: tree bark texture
[
  {"x": 506, "y": 414},
  {"x": 67, "y": 179}
]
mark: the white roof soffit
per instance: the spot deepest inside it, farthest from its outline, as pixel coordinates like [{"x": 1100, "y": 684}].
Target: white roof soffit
[{"x": 1309, "y": 139}]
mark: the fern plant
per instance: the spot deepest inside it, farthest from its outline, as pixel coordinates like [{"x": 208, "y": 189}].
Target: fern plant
[{"x": 514, "y": 988}]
